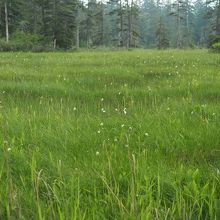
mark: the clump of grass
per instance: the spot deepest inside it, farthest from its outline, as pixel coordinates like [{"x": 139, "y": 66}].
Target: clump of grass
[{"x": 110, "y": 135}]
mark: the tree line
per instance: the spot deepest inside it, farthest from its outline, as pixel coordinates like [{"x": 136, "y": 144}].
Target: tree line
[{"x": 69, "y": 24}]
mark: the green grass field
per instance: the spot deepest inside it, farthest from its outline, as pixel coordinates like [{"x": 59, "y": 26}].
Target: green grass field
[{"x": 110, "y": 135}]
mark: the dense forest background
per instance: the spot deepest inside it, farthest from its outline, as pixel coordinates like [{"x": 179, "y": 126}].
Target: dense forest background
[{"x": 72, "y": 24}]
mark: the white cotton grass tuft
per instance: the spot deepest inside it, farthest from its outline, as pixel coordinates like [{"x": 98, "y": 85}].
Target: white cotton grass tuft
[
  {"x": 125, "y": 111},
  {"x": 103, "y": 110}
]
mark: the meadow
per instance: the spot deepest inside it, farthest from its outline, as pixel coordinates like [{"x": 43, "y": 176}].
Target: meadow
[{"x": 110, "y": 135}]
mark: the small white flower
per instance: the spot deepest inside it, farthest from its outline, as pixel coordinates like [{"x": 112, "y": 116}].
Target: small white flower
[
  {"x": 98, "y": 131},
  {"x": 119, "y": 93},
  {"x": 115, "y": 139},
  {"x": 74, "y": 109},
  {"x": 146, "y": 134},
  {"x": 9, "y": 149},
  {"x": 192, "y": 112},
  {"x": 97, "y": 153},
  {"x": 130, "y": 128},
  {"x": 102, "y": 99},
  {"x": 122, "y": 125},
  {"x": 125, "y": 111},
  {"x": 3, "y": 92},
  {"x": 101, "y": 124},
  {"x": 116, "y": 110},
  {"x": 103, "y": 110}
]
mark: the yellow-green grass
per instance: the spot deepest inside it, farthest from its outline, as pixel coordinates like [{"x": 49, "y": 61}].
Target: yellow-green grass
[{"x": 110, "y": 135}]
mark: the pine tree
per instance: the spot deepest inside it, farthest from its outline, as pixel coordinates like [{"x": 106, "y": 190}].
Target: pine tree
[{"x": 214, "y": 16}]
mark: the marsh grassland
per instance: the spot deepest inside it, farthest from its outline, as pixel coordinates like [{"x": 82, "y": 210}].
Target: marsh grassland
[{"x": 110, "y": 135}]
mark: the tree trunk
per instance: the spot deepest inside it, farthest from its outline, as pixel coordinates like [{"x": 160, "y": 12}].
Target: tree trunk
[
  {"x": 121, "y": 25},
  {"x": 6, "y": 23},
  {"x": 129, "y": 14},
  {"x": 54, "y": 24},
  {"x": 54, "y": 43},
  {"x": 179, "y": 43},
  {"x": 77, "y": 35},
  {"x": 102, "y": 24},
  {"x": 131, "y": 24},
  {"x": 218, "y": 19}
]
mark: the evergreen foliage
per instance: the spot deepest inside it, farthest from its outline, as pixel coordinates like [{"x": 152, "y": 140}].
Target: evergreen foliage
[{"x": 69, "y": 24}]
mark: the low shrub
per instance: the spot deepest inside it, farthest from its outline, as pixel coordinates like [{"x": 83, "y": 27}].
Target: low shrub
[
  {"x": 213, "y": 39},
  {"x": 21, "y": 41},
  {"x": 216, "y": 47}
]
